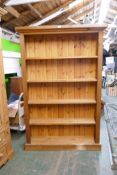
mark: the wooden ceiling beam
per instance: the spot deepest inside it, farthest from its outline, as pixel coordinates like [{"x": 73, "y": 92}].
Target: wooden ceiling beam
[
  {"x": 97, "y": 10},
  {"x": 64, "y": 18},
  {"x": 20, "y": 2},
  {"x": 54, "y": 11},
  {"x": 113, "y": 7},
  {"x": 2, "y": 11},
  {"x": 108, "y": 20},
  {"x": 5, "y": 24},
  {"x": 31, "y": 7},
  {"x": 81, "y": 15},
  {"x": 13, "y": 11}
]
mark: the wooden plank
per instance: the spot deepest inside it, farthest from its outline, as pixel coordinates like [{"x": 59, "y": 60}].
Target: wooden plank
[
  {"x": 88, "y": 28},
  {"x": 35, "y": 10},
  {"x": 26, "y": 114},
  {"x": 55, "y": 10},
  {"x": 63, "y": 101},
  {"x": 2, "y": 11},
  {"x": 62, "y": 143},
  {"x": 90, "y": 147},
  {"x": 63, "y": 80},
  {"x": 13, "y": 11},
  {"x": 98, "y": 95},
  {"x": 11, "y": 3},
  {"x": 63, "y": 121},
  {"x": 77, "y": 18},
  {"x": 61, "y": 58},
  {"x": 6, "y": 158},
  {"x": 64, "y": 140},
  {"x": 63, "y": 18},
  {"x": 6, "y": 150}
]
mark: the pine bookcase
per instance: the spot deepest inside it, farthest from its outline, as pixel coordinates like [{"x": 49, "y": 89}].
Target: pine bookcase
[{"x": 62, "y": 86}]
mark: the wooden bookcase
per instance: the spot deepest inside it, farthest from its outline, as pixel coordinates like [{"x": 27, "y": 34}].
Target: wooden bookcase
[
  {"x": 6, "y": 150},
  {"x": 62, "y": 86}
]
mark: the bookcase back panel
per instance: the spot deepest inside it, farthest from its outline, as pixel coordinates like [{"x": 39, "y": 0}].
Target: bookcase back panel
[
  {"x": 85, "y": 131},
  {"x": 41, "y": 70},
  {"x": 61, "y": 91},
  {"x": 61, "y": 45},
  {"x": 62, "y": 111}
]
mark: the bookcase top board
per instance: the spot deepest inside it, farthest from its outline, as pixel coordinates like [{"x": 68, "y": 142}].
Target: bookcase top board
[{"x": 52, "y": 29}]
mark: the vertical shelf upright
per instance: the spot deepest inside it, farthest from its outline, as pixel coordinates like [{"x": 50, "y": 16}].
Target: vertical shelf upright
[{"x": 62, "y": 86}]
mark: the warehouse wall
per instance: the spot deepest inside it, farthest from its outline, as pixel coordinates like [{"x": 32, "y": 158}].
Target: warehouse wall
[{"x": 12, "y": 57}]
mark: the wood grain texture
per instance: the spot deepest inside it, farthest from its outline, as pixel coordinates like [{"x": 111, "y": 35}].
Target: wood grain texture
[
  {"x": 98, "y": 94},
  {"x": 6, "y": 149},
  {"x": 64, "y": 101},
  {"x": 62, "y": 121},
  {"x": 60, "y": 58},
  {"x": 63, "y": 80},
  {"x": 22, "y": 41},
  {"x": 54, "y": 29},
  {"x": 88, "y": 147},
  {"x": 62, "y": 143},
  {"x": 62, "y": 83}
]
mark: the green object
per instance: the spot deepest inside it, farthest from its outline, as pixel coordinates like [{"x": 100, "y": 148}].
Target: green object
[
  {"x": 7, "y": 77},
  {"x": 6, "y": 82},
  {"x": 10, "y": 46},
  {"x": 7, "y": 45}
]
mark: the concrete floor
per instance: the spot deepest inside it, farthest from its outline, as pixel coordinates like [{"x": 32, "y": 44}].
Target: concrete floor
[{"x": 58, "y": 162}]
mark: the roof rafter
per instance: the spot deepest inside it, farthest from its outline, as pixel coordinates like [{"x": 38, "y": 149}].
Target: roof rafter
[
  {"x": 48, "y": 16},
  {"x": 31, "y": 7},
  {"x": 64, "y": 18},
  {"x": 85, "y": 12},
  {"x": 2, "y": 11},
  {"x": 15, "y": 19},
  {"x": 24, "y": 13},
  {"x": 17, "y": 2},
  {"x": 12, "y": 11}
]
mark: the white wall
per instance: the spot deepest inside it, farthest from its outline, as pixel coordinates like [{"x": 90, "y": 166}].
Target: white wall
[{"x": 11, "y": 62}]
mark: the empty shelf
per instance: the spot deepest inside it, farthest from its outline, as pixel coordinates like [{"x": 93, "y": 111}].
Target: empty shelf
[
  {"x": 63, "y": 143},
  {"x": 63, "y": 101},
  {"x": 59, "y": 58},
  {"x": 64, "y": 81},
  {"x": 62, "y": 121},
  {"x": 62, "y": 140}
]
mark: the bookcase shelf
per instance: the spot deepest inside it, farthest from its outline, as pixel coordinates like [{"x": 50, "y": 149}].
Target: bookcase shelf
[
  {"x": 61, "y": 101},
  {"x": 62, "y": 121},
  {"x": 62, "y": 58},
  {"x": 64, "y": 81},
  {"x": 62, "y": 143}
]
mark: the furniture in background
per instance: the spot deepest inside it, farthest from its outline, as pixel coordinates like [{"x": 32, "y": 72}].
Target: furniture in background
[
  {"x": 16, "y": 104},
  {"x": 110, "y": 113},
  {"x": 7, "y": 77},
  {"x": 6, "y": 150},
  {"x": 15, "y": 85},
  {"x": 16, "y": 114},
  {"x": 62, "y": 86}
]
